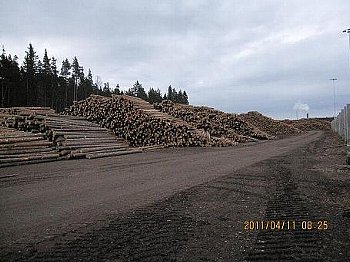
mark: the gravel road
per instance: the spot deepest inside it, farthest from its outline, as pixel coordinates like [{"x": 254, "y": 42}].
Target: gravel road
[{"x": 184, "y": 204}]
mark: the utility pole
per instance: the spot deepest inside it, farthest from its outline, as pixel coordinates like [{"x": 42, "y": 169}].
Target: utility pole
[{"x": 333, "y": 79}]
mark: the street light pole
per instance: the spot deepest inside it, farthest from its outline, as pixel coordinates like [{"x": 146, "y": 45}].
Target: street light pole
[
  {"x": 348, "y": 32},
  {"x": 2, "y": 91},
  {"x": 333, "y": 79}
]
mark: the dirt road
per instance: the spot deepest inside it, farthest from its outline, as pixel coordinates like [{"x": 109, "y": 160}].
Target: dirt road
[{"x": 181, "y": 204}]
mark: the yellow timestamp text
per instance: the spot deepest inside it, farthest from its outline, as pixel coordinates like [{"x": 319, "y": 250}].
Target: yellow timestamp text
[{"x": 285, "y": 225}]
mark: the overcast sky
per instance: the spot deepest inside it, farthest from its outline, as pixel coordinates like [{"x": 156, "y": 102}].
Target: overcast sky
[{"x": 233, "y": 55}]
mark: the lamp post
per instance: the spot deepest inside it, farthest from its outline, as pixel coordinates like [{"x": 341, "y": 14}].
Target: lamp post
[
  {"x": 333, "y": 79},
  {"x": 347, "y": 124},
  {"x": 348, "y": 32},
  {"x": 2, "y": 91}
]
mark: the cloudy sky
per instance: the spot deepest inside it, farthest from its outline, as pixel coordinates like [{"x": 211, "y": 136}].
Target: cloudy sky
[{"x": 234, "y": 55}]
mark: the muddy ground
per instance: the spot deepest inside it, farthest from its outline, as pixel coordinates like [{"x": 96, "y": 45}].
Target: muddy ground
[{"x": 207, "y": 222}]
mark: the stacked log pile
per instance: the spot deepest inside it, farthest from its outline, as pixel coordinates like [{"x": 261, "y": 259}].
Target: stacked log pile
[
  {"x": 311, "y": 124},
  {"x": 217, "y": 123},
  {"x": 269, "y": 125},
  {"x": 14, "y": 116},
  {"x": 18, "y": 147},
  {"x": 59, "y": 136},
  {"x": 138, "y": 122},
  {"x": 79, "y": 138},
  {"x": 30, "y": 123}
]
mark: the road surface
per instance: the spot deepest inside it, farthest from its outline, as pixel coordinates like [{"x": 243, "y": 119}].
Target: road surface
[{"x": 43, "y": 203}]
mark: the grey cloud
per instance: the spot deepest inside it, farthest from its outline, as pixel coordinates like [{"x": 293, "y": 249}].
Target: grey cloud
[{"x": 232, "y": 55}]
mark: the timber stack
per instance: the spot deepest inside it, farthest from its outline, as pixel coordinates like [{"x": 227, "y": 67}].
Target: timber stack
[
  {"x": 139, "y": 123},
  {"x": 69, "y": 137},
  {"x": 269, "y": 125},
  {"x": 18, "y": 147},
  {"x": 76, "y": 137},
  {"x": 217, "y": 123},
  {"x": 309, "y": 124}
]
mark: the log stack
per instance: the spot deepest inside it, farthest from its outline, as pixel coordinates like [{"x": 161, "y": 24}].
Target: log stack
[
  {"x": 79, "y": 138},
  {"x": 138, "y": 122},
  {"x": 58, "y": 136},
  {"x": 309, "y": 124},
  {"x": 27, "y": 110},
  {"x": 270, "y": 126},
  {"x": 217, "y": 123},
  {"x": 18, "y": 147}
]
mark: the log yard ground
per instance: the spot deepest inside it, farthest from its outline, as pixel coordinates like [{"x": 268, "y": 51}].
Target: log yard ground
[{"x": 203, "y": 186}]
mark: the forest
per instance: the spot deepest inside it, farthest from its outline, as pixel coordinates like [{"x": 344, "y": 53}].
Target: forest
[{"x": 41, "y": 83}]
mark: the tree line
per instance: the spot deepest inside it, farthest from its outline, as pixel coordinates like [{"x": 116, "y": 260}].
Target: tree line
[{"x": 40, "y": 83}]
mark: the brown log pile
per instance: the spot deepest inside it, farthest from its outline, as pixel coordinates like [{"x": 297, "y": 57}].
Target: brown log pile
[
  {"x": 27, "y": 110},
  {"x": 269, "y": 125},
  {"x": 139, "y": 123},
  {"x": 18, "y": 147},
  {"x": 80, "y": 138},
  {"x": 309, "y": 124},
  {"x": 69, "y": 137},
  {"x": 218, "y": 124}
]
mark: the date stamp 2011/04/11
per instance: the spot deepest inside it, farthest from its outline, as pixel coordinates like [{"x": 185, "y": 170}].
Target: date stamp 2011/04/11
[{"x": 285, "y": 225}]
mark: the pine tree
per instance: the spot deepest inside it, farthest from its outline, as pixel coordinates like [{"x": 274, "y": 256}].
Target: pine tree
[
  {"x": 46, "y": 67},
  {"x": 65, "y": 74},
  {"x": 11, "y": 91},
  {"x": 116, "y": 90},
  {"x": 65, "y": 69},
  {"x": 185, "y": 98},
  {"x": 89, "y": 77},
  {"x": 170, "y": 93},
  {"x": 55, "y": 94},
  {"x": 75, "y": 77},
  {"x": 53, "y": 66},
  {"x": 30, "y": 68},
  {"x": 154, "y": 96},
  {"x": 106, "y": 91}
]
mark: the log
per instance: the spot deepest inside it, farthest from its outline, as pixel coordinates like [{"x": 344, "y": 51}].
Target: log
[
  {"x": 29, "y": 157},
  {"x": 99, "y": 155}
]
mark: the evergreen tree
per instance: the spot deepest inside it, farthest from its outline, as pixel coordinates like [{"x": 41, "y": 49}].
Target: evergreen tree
[
  {"x": 116, "y": 90},
  {"x": 170, "y": 93},
  {"x": 11, "y": 92},
  {"x": 141, "y": 93},
  {"x": 185, "y": 98},
  {"x": 64, "y": 82},
  {"x": 154, "y": 96},
  {"x": 55, "y": 92},
  {"x": 53, "y": 66},
  {"x": 45, "y": 85},
  {"x": 46, "y": 67},
  {"x": 65, "y": 69},
  {"x": 30, "y": 68},
  {"x": 89, "y": 77},
  {"x": 76, "y": 71},
  {"x": 106, "y": 91}
]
